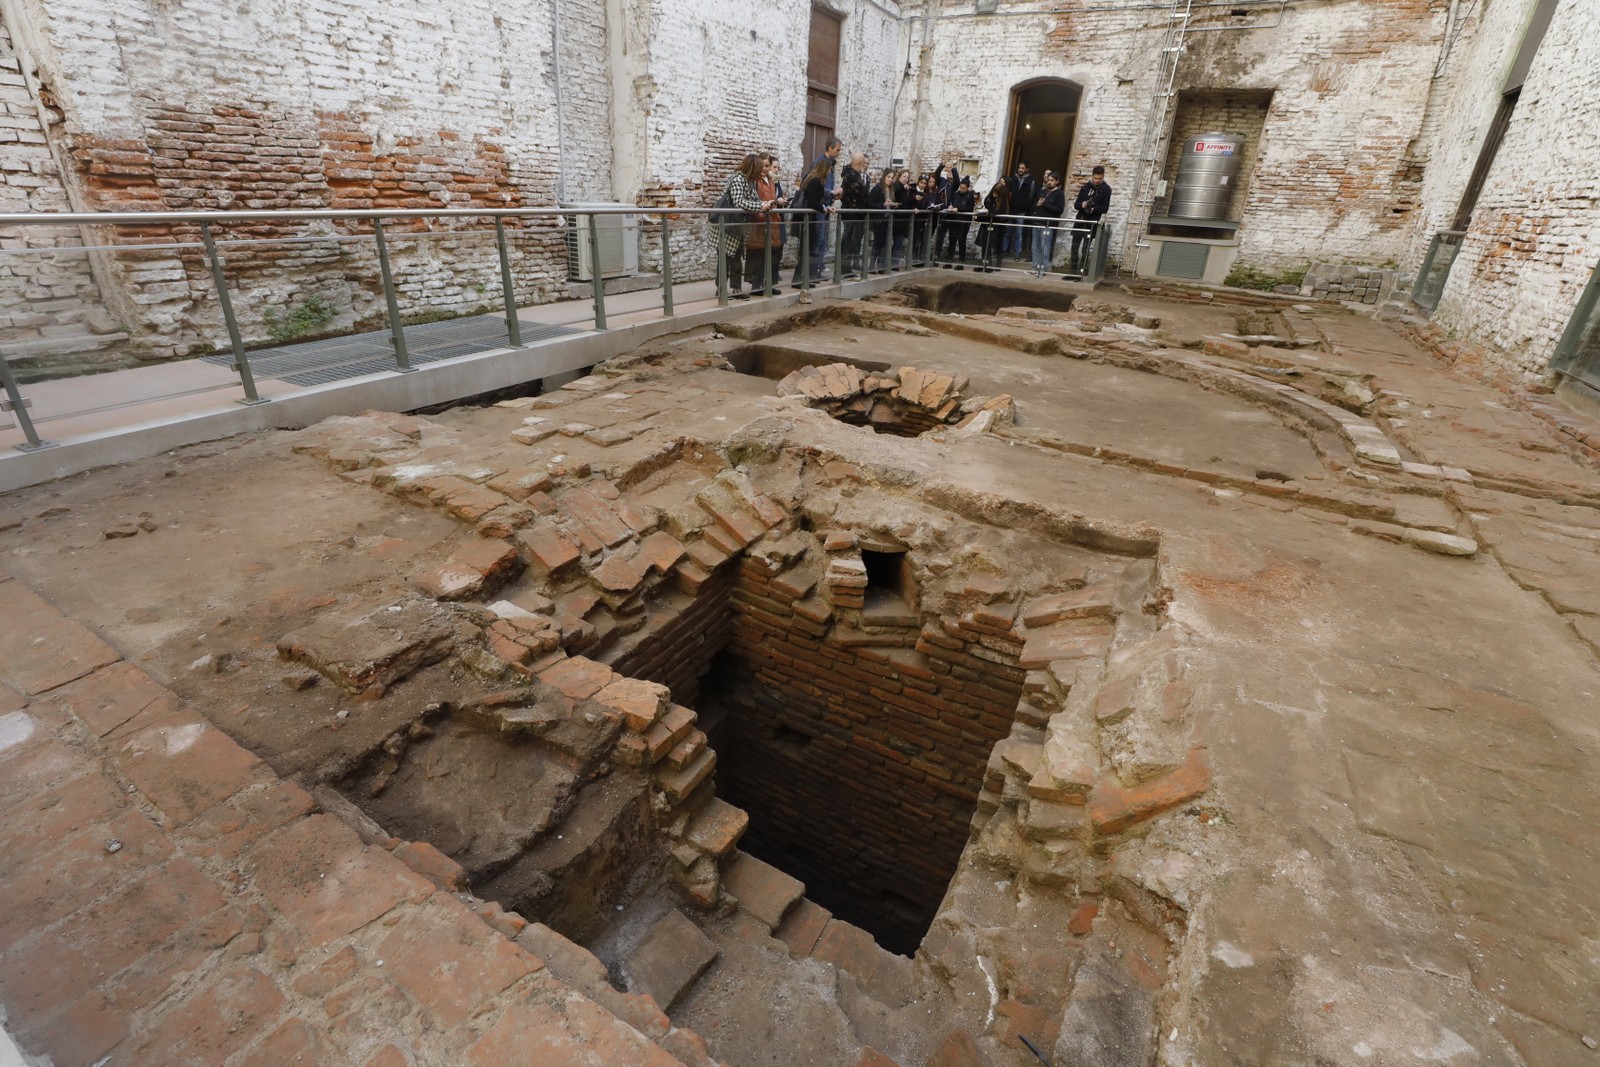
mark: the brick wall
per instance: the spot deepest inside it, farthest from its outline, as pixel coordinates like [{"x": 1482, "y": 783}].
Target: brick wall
[
  {"x": 1349, "y": 84},
  {"x": 1535, "y": 236},
  {"x": 1244, "y": 115},
  {"x": 328, "y": 104},
  {"x": 872, "y": 811},
  {"x": 679, "y": 653},
  {"x": 47, "y": 301}
]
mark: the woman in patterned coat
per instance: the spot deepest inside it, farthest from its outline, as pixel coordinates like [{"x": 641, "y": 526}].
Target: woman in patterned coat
[{"x": 741, "y": 195}]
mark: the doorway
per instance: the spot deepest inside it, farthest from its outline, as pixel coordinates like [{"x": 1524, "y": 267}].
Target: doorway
[
  {"x": 822, "y": 84},
  {"x": 1044, "y": 118}
]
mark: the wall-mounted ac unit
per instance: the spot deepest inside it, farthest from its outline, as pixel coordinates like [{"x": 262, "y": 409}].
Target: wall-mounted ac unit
[{"x": 618, "y": 240}]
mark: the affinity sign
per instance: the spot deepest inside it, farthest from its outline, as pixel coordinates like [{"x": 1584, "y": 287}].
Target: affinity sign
[{"x": 1213, "y": 148}]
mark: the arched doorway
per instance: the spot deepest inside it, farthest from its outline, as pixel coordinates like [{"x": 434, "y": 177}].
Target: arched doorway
[{"x": 1044, "y": 118}]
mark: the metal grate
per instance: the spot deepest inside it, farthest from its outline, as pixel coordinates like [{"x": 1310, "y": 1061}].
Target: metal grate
[
  {"x": 1183, "y": 259},
  {"x": 354, "y": 355}
]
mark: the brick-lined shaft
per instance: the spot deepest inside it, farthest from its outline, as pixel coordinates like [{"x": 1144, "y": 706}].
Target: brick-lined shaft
[{"x": 872, "y": 811}]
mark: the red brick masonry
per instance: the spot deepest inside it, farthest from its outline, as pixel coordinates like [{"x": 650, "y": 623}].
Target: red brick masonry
[{"x": 172, "y": 901}]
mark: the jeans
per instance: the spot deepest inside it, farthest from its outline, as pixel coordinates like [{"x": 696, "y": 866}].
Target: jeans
[
  {"x": 1013, "y": 239},
  {"x": 1044, "y": 246},
  {"x": 850, "y": 239},
  {"x": 815, "y": 231}
]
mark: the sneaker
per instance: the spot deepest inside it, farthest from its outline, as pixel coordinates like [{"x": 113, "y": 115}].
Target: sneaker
[
  {"x": 740, "y": 295},
  {"x": 962, "y": 266}
]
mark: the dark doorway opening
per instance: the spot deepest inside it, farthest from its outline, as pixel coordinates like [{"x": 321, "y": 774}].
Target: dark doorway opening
[{"x": 1044, "y": 119}]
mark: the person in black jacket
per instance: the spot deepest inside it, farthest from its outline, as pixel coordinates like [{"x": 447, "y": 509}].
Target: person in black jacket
[
  {"x": 853, "y": 224},
  {"x": 957, "y": 220},
  {"x": 992, "y": 226},
  {"x": 1091, "y": 204},
  {"x": 815, "y": 199},
  {"x": 1023, "y": 192},
  {"x": 884, "y": 204},
  {"x": 1046, "y": 213}
]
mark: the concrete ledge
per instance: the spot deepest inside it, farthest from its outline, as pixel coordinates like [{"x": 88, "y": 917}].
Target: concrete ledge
[{"x": 434, "y": 383}]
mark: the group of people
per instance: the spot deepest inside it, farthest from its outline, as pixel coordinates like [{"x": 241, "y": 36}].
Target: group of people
[{"x": 885, "y": 215}]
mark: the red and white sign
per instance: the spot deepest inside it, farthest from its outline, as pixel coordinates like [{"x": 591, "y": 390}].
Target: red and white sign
[{"x": 1213, "y": 148}]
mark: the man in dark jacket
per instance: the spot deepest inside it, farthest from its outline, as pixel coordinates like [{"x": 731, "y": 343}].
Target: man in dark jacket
[
  {"x": 1024, "y": 190},
  {"x": 1091, "y": 204},
  {"x": 853, "y": 185}
]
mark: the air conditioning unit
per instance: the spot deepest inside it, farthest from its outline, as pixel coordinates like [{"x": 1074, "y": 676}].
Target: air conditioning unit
[{"x": 618, "y": 240}]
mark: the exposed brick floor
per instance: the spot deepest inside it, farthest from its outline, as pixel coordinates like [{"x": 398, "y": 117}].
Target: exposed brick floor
[{"x": 169, "y": 900}]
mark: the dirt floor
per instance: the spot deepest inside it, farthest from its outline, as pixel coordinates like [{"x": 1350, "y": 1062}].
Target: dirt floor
[{"x": 1404, "y": 742}]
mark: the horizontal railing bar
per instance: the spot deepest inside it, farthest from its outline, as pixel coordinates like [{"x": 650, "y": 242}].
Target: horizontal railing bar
[{"x": 166, "y": 218}]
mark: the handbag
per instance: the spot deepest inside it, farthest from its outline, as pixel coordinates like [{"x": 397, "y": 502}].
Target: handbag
[{"x": 724, "y": 213}]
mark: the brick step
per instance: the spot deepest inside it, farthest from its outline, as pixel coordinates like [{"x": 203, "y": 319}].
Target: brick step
[
  {"x": 762, "y": 890},
  {"x": 670, "y": 959}
]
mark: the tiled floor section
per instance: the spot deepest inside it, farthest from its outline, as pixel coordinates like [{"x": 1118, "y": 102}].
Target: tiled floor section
[{"x": 170, "y": 901}]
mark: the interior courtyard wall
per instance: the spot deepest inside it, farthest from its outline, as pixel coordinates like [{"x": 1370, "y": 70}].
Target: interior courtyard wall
[
  {"x": 326, "y": 104},
  {"x": 1350, "y": 87},
  {"x": 43, "y": 298},
  {"x": 1534, "y": 238}
]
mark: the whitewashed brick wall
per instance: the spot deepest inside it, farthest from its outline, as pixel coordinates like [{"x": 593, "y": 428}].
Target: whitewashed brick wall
[
  {"x": 1349, "y": 83},
  {"x": 1535, "y": 236}
]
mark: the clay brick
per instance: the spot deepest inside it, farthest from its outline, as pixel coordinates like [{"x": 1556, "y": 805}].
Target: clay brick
[
  {"x": 432, "y": 864},
  {"x": 1115, "y": 808},
  {"x": 578, "y": 677},
  {"x": 1060, "y": 643},
  {"x": 662, "y": 550},
  {"x": 40, "y": 648},
  {"x": 110, "y": 696},
  {"x": 184, "y": 765},
  {"x": 560, "y": 1029},
  {"x": 641, "y": 703},
  {"x": 550, "y": 549},
  {"x": 318, "y": 875},
  {"x": 595, "y": 513},
  {"x": 717, "y": 827},
  {"x": 223, "y": 1016},
  {"x": 620, "y": 573},
  {"x": 449, "y": 961},
  {"x": 493, "y": 559}
]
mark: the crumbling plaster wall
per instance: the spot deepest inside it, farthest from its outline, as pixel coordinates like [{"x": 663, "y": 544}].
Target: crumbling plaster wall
[
  {"x": 1349, "y": 81},
  {"x": 327, "y": 104},
  {"x": 1534, "y": 238},
  {"x": 45, "y": 299}
]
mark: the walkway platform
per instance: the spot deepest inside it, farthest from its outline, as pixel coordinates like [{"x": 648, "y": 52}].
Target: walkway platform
[{"x": 95, "y": 420}]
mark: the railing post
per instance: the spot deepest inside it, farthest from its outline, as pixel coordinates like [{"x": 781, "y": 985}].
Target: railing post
[
  {"x": 838, "y": 246},
  {"x": 594, "y": 274},
  {"x": 241, "y": 362},
  {"x": 402, "y": 358},
  {"x": 513, "y": 327},
  {"x": 666, "y": 267},
  {"x": 806, "y": 237},
  {"x": 866, "y": 246},
  {"x": 722, "y": 264},
  {"x": 18, "y": 405},
  {"x": 766, "y": 258}
]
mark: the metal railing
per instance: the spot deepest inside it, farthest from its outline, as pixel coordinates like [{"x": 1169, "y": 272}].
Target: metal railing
[
  {"x": 189, "y": 250},
  {"x": 1435, "y": 269},
  {"x": 1577, "y": 353},
  {"x": 198, "y": 244}
]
